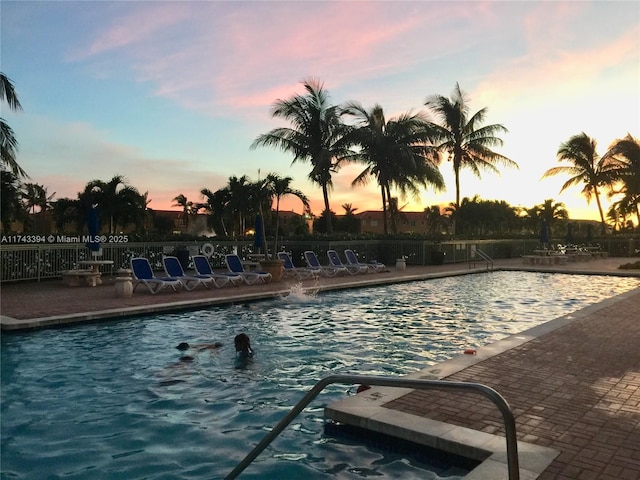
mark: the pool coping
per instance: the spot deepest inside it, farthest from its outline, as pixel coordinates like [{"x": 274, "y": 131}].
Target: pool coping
[{"x": 366, "y": 409}]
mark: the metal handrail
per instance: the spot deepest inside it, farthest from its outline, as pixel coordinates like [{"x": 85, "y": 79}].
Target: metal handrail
[
  {"x": 484, "y": 257},
  {"x": 490, "y": 393}
]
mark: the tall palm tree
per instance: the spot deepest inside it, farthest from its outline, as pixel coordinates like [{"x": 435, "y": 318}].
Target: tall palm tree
[
  {"x": 396, "y": 152},
  {"x": 314, "y": 137},
  {"x": 625, "y": 171},
  {"x": 587, "y": 167},
  {"x": 463, "y": 138},
  {"x": 279, "y": 187},
  {"x": 8, "y": 141}
]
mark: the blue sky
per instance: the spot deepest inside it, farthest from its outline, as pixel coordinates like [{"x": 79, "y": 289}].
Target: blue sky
[{"x": 171, "y": 94}]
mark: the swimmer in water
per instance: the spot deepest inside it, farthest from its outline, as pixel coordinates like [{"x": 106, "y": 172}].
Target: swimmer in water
[
  {"x": 243, "y": 346},
  {"x": 199, "y": 347}
]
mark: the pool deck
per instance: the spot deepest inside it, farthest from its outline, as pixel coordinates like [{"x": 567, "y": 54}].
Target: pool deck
[{"x": 573, "y": 383}]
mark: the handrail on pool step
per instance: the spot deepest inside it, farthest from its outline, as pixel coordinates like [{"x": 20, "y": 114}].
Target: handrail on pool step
[{"x": 490, "y": 393}]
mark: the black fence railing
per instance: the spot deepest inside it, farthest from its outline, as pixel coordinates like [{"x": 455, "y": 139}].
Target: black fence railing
[{"x": 35, "y": 262}]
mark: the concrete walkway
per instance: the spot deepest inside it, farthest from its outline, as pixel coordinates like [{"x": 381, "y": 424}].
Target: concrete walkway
[{"x": 575, "y": 387}]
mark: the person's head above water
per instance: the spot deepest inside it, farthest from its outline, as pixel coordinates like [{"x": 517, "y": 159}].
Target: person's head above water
[
  {"x": 183, "y": 346},
  {"x": 243, "y": 345}
]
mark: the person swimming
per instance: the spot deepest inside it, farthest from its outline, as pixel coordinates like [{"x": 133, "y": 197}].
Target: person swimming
[
  {"x": 243, "y": 346},
  {"x": 199, "y": 347}
]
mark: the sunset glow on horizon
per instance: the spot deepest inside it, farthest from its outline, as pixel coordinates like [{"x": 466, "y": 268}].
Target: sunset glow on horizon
[{"x": 172, "y": 94}]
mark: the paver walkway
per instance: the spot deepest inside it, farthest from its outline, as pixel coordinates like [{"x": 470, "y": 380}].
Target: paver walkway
[{"x": 575, "y": 389}]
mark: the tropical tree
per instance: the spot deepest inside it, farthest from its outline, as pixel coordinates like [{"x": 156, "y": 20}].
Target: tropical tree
[
  {"x": 216, "y": 205},
  {"x": 396, "y": 153},
  {"x": 11, "y": 207},
  {"x": 279, "y": 187},
  {"x": 68, "y": 210},
  {"x": 188, "y": 208},
  {"x": 463, "y": 138},
  {"x": 349, "y": 222},
  {"x": 587, "y": 168},
  {"x": 315, "y": 135},
  {"x": 624, "y": 155},
  {"x": 35, "y": 196},
  {"x": 8, "y": 141},
  {"x": 118, "y": 203},
  {"x": 553, "y": 213}
]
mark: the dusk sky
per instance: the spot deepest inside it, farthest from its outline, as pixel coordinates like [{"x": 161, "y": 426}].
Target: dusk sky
[{"x": 172, "y": 94}]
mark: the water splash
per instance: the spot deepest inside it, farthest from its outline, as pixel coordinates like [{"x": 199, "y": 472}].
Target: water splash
[{"x": 299, "y": 294}]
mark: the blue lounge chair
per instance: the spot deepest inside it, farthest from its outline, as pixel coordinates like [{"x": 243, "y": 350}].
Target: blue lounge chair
[
  {"x": 334, "y": 261},
  {"x": 203, "y": 267},
  {"x": 374, "y": 266},
  {"x": 291, "y": 271},
  {"x": 173, "y": 268},
  {"x": 234, "y": 264},
  {"x": 143, "y": 275},
  {"x": 314, "y": 264}
]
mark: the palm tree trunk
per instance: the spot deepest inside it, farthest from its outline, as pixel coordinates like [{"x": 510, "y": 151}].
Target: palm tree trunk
[
  {"x": 392, "y": 211},
  {"x": 597, "y": 195},
  {"x": 275, "y": 237},
  {"x": 384, "y": 209},
  {"x": 325, "y": 194}
]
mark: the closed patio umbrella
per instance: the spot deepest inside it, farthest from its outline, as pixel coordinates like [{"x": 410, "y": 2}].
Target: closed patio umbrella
[
  {"x": 93, "y": 225},
  {"x": 544, "y": 232},
  {"x": 258, "y": 241}
]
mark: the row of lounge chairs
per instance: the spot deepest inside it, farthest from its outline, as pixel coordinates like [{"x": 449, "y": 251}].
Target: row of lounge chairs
[{"x": 177, "y": 279}]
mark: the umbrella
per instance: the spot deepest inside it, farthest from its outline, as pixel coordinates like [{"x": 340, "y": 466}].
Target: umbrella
[
  {"x": 569, "y": 237},
  {"x": 544, "y": 232},
  {"x": 93, "y": 225},
  {"x": 259, "y": 229}
]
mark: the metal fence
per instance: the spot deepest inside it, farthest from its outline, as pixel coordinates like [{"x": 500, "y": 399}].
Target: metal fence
[{"x": 43, "y": 261}]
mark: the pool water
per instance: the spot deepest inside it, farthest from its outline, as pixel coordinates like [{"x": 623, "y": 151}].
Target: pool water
[{"x": 113, "y": 400}]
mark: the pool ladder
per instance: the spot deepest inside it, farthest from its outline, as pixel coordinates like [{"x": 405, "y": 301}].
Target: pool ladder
[
  {"x": 490, "y": 393},
  {"x": 479, "y": 255}
]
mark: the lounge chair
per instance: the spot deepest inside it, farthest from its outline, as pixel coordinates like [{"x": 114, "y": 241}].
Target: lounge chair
[
  {"x": 374, "y": 266},
  {"x": 314, "y": 264},
  {"x": 334, "y": 260},
  {"x": 203, "y": 267},
  {"x": 291, "y": 271},
  {"x": 173, "y": 268},
  {"x": 143, "y": 275},
  {"x": 234, "y": 264}
]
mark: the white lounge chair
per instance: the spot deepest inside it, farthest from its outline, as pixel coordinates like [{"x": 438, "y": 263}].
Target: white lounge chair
[
  {"x": 173, "y": 268},
  {"x": 374, "y": 266},
  {"x": 335, "y": 261},
  {"x": 203, "y": 267},
  {"x": 314, "y": 264},
  {"x": 291, "y": 271},
  {"x": 234, "y": 264},
  {"x": 143, "y": 275}
]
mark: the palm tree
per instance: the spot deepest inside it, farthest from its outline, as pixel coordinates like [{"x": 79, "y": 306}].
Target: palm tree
[
  {"x": 463, "y": 139},
  {"x": 117, "y": 201},
  {"x": 36, "y": 196},
  {"x": 8, "y": 142},
  {"x": 396, "y": 152},
  {"x": 625, "y": 170},
  {"x": 587, "y": 168},
  {"x": 217, "y": 206},
  {"x": 279, "y": 187},
  {"x": 188, "y": 208},
  {"x": 315, "y": 136}
]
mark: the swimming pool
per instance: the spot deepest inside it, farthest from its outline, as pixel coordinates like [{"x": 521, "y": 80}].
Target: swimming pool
[{"x": 112, "y": 400}]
